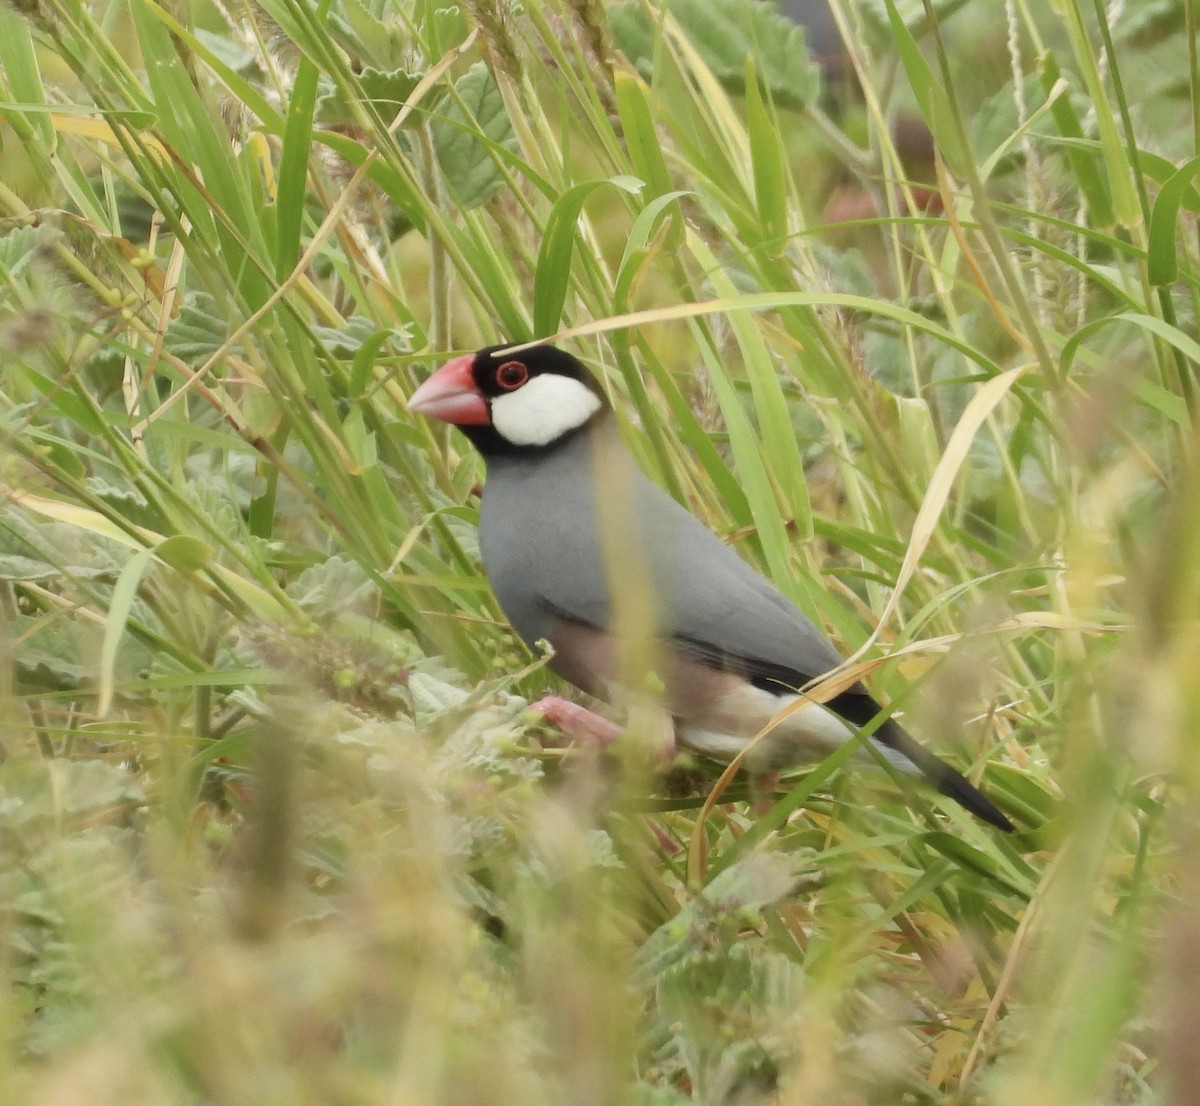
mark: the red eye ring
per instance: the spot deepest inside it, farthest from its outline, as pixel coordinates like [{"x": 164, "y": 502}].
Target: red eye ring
[{"x": 511, "y": 375}]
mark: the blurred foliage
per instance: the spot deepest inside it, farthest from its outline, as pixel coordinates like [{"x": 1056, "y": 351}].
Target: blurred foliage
[{"x": 913, "y": 329}]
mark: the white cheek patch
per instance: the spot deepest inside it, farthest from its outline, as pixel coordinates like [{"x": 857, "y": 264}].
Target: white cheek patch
[{"x": 545, "y": 408}]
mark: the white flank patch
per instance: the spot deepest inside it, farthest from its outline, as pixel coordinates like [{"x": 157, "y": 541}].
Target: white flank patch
[{"x": 545, "y": 408}]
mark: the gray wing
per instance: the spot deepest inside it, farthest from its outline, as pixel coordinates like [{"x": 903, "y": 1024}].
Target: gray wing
[
  {"x": 721, "y": 606},
  {"x": 546, "y": 559}
]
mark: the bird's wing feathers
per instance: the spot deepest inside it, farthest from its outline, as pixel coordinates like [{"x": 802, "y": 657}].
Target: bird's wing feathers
[{"x": 547, "y": 558}]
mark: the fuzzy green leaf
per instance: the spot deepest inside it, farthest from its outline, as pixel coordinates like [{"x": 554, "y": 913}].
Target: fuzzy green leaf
[
  {"x": 386, "y": 91},
  {"x": 33, "y": 792},
  {"x": 346, "y": 341},
  {"x": 444, "y": 29},
  {"x": 332, "y": 587},
  {"x": 471, "y": 137},
  {"x": 384, "y": 41},
  {"x": 726, "y": 33},
  {"x": 198, "y": 331},
  {"x": 21, "y": 247}
]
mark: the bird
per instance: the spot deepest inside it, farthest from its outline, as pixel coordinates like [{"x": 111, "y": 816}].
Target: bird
[{"x": 568, "y": 524}]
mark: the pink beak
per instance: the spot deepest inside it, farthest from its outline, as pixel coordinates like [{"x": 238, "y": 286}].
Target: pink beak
[{"x": 452, "y": 395}]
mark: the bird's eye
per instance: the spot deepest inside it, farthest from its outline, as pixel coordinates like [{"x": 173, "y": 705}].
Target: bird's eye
[{"x": 512, "y": 374}]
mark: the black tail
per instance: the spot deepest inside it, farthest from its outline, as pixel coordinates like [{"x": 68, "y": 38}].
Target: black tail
[{"x": 861, "y": 709}]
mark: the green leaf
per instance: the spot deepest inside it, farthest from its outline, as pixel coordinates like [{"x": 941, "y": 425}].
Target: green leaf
[
  {"x": 386, "y": 91},
  {"x": 231, "y": 53},
  {"x": 19, "y": 63},
  {"x": 472, "y": 136},
  {"x": 14, "y": 566},
  {"x": 1162, "y": 259},
  {"x": 35, "y": 791},
  {"x": 641, "y": 136},
  {"x": 383, "y": 41},
  {"x": 1155, "y": 166},
  {"x": 333, "y": 587},
  {"x": 119, "y": 608},
  {"x": 293, "y": 169},
  {"x": 726, "y": 33},
  {"x": 346, "y": 341},
  {"x": 22, "y": 247},
  {"x": 184, "y": 552},
  {"x": 192, "y": 131},
  {"x": 769, "y": 161},
  {"x": 227, "y": 64},
  {"x": 368, "y": 350},
  {"x": 444, "y": 29},
  {"x": 1150, "y": 22},
  {"x": 975, "y": 860},
  {"x": 931, "y": 97},
  {"x": 1184, "y": 343},
  {"x": 198, "y": 331},
  {"x": 553, "y": 275},
  {"x": 772, "y": 470},
  {"x": 1085, "y": 167},
  {"x": 56, "y": 656},
  {"x": 1116, "y": 162},
  {"x": 641, "y": 246}
]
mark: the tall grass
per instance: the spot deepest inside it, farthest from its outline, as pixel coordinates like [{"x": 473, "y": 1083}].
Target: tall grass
[{"x": 277, "y": 828}]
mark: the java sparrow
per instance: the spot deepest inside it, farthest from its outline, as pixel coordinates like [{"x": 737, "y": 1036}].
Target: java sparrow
[{"x": 733, "y": 649}]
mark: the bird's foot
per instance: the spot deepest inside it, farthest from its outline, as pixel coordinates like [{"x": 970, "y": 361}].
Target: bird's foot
[
  {"x": 593, "y": 731},
  {"x": 584, "y": 727}
]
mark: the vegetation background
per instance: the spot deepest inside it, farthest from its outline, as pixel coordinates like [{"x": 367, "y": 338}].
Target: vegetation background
[{"x": 276, "y": 827}]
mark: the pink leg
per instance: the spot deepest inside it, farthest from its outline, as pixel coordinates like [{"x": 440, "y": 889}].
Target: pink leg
[
  {"x": 590, "y": 730},
  {"x": 581, "y": 725}
]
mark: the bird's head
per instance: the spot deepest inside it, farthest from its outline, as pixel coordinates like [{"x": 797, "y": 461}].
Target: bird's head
[{"x": 512, "y": 402}]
